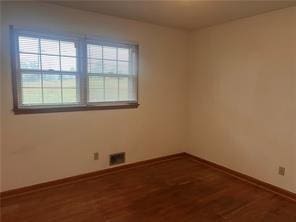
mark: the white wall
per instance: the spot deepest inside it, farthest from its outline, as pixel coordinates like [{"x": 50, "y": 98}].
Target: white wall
[
  {"x": 44, "y": 147},
  {"x": 243, "y": 96}
]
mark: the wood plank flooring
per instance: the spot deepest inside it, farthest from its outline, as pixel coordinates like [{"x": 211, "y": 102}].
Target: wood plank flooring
[{"x": 176, "y": 190}]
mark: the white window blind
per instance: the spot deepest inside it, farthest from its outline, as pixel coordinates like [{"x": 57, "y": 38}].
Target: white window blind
[
  {"x": 52, "y": 71},
  {"x": 48, "y": 71},
  {"x": 111, "y": 73}
]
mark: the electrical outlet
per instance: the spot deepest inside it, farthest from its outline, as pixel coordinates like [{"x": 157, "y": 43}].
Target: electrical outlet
[
  {"x": 96, "y": 156},
  {"x": 282, "y": 171}
]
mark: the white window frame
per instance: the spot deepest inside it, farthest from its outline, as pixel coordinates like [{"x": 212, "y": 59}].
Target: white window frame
[{"x": 82, "y": 73}]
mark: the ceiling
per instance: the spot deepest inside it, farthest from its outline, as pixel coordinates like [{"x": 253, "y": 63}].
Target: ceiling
[{"x": 180, "y": 14}]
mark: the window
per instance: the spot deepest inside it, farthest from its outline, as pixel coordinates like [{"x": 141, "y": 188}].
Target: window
[{"x": 58, "y": 73}]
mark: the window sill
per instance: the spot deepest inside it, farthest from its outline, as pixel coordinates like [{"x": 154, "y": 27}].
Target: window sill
[{"x": 105, "y": 106}]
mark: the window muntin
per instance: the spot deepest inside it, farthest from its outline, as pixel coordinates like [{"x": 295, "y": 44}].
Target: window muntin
[{"x": 52, "y": 72}]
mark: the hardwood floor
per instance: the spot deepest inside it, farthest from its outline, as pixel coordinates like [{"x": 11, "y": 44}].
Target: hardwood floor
[{"x": 175, "y": 190}]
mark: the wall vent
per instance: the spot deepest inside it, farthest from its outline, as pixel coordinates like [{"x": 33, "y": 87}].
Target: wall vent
[{"x": 117, "y": 158}]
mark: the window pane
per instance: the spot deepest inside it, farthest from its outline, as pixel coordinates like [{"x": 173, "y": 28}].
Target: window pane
[
  {"x": 28, "y": 44},
  {"x": 96, "y": 82},
  {"x": 123, "y": 89},
  {"x": 96, "y": 88},
  {"x": 29, "y": 61},
  {"x": 94, "y": 66},
  {"x": 49, "y": 46},
  {"x": 31, "y": 96},
  {"x": 68, "y": 64},
  {"x": 132, "y": 88},
  {"x": 52, "y": 81},
  {"x": 69, "y": 96},
  {"x": 123, "y": 68},
  {"x": 109, "y": 67},
  {"x": 31, "y": 80},
  {"x": 69, "y": 81},
  {"x": 94, "y": 51},
  {"x": 50, "y": 62},
  {"x": 123, "y": 54},
  {"x": 96, "y": 95},
  {"x": 52, "y": 95},
  {"x": 111, "y": 88},
  {"x": 109, "y": 52},
  {"x": 68, "y": 48}
]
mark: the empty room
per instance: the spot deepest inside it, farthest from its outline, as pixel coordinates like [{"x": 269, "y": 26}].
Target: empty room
[{"x": 137, "y": 111}]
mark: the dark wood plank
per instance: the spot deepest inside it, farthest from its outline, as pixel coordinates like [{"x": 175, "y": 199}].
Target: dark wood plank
[{"x": 174, "y": 190}]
